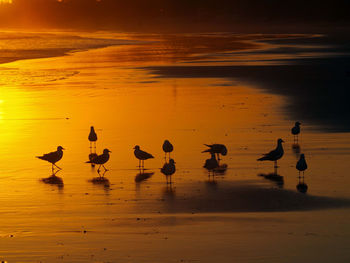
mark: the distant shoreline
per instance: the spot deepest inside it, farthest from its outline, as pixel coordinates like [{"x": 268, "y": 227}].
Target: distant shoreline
[{"x": 16, "y": 46}]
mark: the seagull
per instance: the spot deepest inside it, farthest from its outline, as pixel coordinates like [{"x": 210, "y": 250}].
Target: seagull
[
  {"x": 212, "y": 163},
  {"x": 167, "y": 148},
  {"x": 275, "y": 154},
  {"x": 92, "y": 136},
  {"x": 168, "y": 169},
  {"x": 141, "y": 155},
  {"x": 216, "y": 148},
  {"x": 101, "y": 159},
  {"x": 301, "y": 164},
  {"x": 296, "y": 130},
  {"x": 53, "y": 157}
]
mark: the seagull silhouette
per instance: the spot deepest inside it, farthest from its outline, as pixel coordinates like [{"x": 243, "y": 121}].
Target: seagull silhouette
[
  {"x": 217, "y": 149},
  {"x": 301, "y": 164},
  {"x": 168, "y": 170},
  {"x": 101, "y": 159},
  {"x": 53, "y": 157},
  {"x": 274, "y": 155},
  {"x": 211, "y": 164},
  {"x": 92, "y": 136},
  {"x": 141, "y": 155},
  {"x": 167, "y": 148},
  {"x": 295, "y": 131}
]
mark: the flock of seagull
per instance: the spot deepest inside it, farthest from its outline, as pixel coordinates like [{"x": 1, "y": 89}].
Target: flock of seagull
[{"x": 169, "y": 168}]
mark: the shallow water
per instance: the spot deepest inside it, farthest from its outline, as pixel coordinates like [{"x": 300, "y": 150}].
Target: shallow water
[{"x": 127, "y": 93}]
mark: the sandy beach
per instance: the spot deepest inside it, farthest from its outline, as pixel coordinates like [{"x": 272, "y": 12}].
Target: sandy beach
[{"x": 241, "y": 90}]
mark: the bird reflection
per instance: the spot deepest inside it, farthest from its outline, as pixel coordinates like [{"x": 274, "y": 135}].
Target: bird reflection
[
  {"x": 302, "y": 186},
  {"x": 100, "y": 180},
  {"x": 169, "y": 192},
  {"x": 142, "y": 175},
  {"x": 296, "y": 149},
  {"x": 54, "y": 179},
  {"x": 274, "y": 177},
  {"x": 168, "y": 170},
  {"x": 211, "y": 182},
  {"x": 221, "y": 169}
]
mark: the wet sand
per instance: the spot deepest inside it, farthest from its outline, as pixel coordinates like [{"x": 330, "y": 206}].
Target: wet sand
[{"x": 133, "y": 94}]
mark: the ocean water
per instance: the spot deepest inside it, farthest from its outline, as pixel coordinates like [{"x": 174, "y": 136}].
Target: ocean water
[{"x": 244, "y": 91}]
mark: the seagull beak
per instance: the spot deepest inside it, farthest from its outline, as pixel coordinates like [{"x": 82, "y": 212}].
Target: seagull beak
[{"x": 109, "y": 151}]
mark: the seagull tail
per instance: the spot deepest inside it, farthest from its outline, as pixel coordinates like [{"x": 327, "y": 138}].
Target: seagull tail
[
  {"x": 207, "y": 151},
  {"x": 262, "y": 159},
  {"x": 40, "y": 157},
  {"x": 208, "y": 145}
]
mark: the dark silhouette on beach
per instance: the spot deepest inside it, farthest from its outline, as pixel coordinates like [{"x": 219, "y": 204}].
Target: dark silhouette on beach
[
  {"x": 217, "y": 149},
  {"x": 296, "y": 131},
  {"x": 141, "y": 155},
  {"x": 168, "y": 170},
  {"x": 167, "y": 148},
  {"x": 301, "y": 164},
  {"x": 274, "y": 155},
  {"x": 92, "y": 137},
  {"x": 211, "y": 164},
  {"x": 53, "y": 157},
  {"x": 101, "y": 160}
]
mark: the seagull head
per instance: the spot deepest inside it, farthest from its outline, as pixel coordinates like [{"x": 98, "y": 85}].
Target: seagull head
[
  {"x": 280, "y": 140},
  {"x": 137, "y": 147},
  {"x": 297, "y": 123},
  {"x": 302, "y": 156},
  {"x": 105, "y": 151},
  {"x": 92, "y": 128},
  {"x": 224, "y": 150},
  {"x": 60, "y": 148},
  {"x": 171, "y": 161}
]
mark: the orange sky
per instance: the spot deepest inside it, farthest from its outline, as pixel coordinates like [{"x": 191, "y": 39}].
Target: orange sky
[{"x": 170, "y": 14}]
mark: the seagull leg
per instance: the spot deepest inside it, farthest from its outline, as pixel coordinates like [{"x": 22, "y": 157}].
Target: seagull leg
[
  {"x": 57, "y": 166},
  {"x": 98, "y": 170},
  {"x": 105, "y": 168},
  {"x": 275, "y": 167}
]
